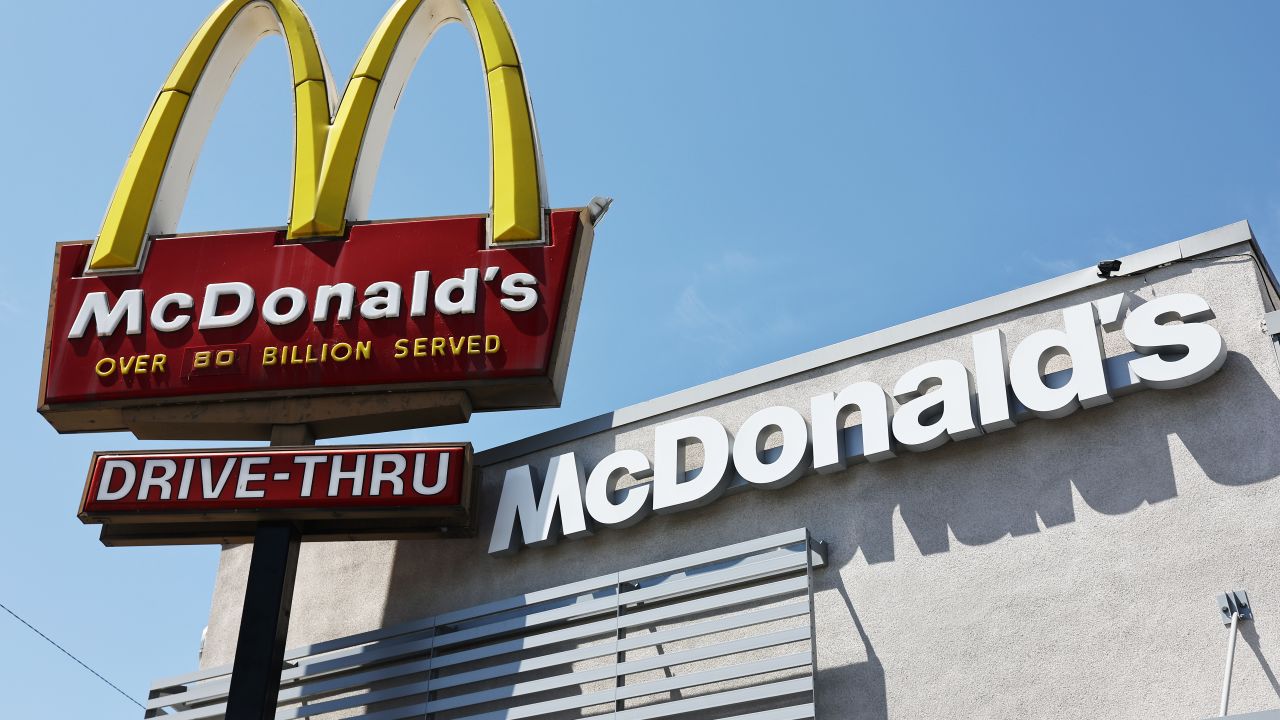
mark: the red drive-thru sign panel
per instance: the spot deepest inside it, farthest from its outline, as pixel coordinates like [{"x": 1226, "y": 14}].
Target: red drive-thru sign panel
[
  {"x": 396, "y": 306},
  {"x": 196, "y": 496}
]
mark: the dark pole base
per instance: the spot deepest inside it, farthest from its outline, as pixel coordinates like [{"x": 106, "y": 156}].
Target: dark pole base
[{"x": 264, "y": 623}]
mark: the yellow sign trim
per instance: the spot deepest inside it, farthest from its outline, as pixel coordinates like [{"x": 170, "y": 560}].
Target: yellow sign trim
[{"x": 330, "y": 143}]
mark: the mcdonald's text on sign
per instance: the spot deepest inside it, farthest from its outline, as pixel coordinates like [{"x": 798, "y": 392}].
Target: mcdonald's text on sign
[
  {"x": 334, "y": 492},
  {"x": 398, "y": 304}
]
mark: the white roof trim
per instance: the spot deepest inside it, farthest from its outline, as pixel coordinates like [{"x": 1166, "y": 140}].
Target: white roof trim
[{"x": 1201, "y": 244}]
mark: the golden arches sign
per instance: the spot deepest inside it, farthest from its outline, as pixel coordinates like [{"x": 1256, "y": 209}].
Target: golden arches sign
[{"x": 338, "y": 145}]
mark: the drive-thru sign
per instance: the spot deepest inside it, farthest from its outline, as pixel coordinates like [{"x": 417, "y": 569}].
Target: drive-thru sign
[
  {"x": 387, "y": 491},
  {"x": 331, "y": 325}
]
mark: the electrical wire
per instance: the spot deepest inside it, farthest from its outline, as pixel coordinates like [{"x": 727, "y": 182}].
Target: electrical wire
[{"x": 73, "y": 657}]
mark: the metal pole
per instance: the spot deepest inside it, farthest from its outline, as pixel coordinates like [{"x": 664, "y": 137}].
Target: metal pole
[
  {"x": 268, "y": 599},
  {"x": 1231, "y": 654}
]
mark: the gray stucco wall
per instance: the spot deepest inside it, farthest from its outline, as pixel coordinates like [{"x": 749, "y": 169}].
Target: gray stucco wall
[{"x": 1059, "y": 569}]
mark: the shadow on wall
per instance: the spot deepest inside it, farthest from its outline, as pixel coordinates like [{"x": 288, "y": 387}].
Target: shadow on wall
[
  {"x": 1009, "y": 483},
  {"x": 1015, "y": 482},
  {"x": 857, "y": 690},
  {"x": 1116, "y": 458},
  {"x": 1249, "y": 634}
]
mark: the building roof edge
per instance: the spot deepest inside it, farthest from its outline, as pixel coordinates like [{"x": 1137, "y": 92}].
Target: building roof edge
[{"x": 1141, "y": 261}]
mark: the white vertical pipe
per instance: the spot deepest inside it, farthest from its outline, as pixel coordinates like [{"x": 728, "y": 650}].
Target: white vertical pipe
[{"x": 1231, "y": 654}]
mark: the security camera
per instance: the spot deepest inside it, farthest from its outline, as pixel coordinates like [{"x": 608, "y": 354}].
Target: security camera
[{"x": 1106, "y": 267}]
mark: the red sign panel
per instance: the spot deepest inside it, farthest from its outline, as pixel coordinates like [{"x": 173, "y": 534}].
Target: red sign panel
[
  {"x": 199, "y": 496},
  {"x": 418, "y": 304}
]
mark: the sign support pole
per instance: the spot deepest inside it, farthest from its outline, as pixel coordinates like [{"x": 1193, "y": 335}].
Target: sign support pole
[{"x": 268, "y": 599}]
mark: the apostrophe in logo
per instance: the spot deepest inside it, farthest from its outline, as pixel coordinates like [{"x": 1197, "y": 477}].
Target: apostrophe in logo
[{"x": 338, "y": 143}]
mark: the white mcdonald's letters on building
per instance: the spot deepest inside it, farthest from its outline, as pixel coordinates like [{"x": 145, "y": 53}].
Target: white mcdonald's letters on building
[{"x": 930, "y": 404}]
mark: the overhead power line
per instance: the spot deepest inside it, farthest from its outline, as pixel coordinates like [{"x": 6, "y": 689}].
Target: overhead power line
[{"x": 73, "y": 657}]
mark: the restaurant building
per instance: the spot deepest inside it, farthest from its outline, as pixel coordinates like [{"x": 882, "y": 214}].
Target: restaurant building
[{"x": 1027, "y": 506}]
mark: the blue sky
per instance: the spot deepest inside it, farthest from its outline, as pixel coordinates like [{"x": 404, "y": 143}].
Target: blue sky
[{"x": 782, "y": 182}]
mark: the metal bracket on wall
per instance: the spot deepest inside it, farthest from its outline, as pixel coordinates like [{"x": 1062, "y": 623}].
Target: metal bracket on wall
[
  {"x": 1233, "y": 608},
  {"x": 1271, "y": 323},
  {"x": 818, "y": 553},
  {"x": 1233, "y": 602}
]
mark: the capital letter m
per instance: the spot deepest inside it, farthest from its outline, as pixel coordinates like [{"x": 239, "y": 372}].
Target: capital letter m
[
  {"x": 338, "y": 146},
  {"x": 562, "y": 490}
]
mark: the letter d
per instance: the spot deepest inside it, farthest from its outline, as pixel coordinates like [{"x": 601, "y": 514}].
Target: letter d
[
  {"x": 671, "y": 491},
  {"x": 1081, "y": 341},
  {"x": 105, "y": 493},
  {"x": 213, "y": 294}
]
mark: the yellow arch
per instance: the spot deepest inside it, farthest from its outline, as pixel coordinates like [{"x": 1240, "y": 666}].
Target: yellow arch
[{"x": 337, "y": 150}]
